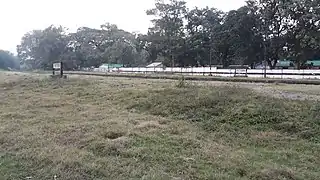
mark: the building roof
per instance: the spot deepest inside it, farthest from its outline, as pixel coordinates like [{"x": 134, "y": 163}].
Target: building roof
[
  {"x": 288, "y": 63},
  {"x": 111, "y": 66},
  {"x": 284, "y": 63},
  {"x": 155, "y": 64},
  {"x": 314, "y": 62}
]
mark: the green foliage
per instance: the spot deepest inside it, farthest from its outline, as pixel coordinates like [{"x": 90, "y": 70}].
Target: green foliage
[
  {"x": 180, "y": 36},
  {"x": 85, "y": 48},
  {"x": 41, "y": 48},
  {"x": 303, "y": 35},
  {"x": 8, "y": 60}
]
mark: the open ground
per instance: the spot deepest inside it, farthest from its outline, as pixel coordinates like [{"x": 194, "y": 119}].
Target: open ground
[{"x": 87, "y": 127}]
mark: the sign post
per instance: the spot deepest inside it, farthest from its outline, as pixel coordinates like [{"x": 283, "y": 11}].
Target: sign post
[{"x": 58, "y": 67}]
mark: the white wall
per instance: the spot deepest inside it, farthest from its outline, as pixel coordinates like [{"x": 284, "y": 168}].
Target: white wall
[{"x": 253, "y": 73}]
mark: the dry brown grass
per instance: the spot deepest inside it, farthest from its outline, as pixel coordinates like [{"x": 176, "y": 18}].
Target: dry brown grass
[{"x": 82, "y": 128}]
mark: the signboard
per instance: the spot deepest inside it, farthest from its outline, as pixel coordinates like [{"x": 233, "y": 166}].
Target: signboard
[
  {"x": 59, "y": 68},
  {"x": 56, "y": 66}
]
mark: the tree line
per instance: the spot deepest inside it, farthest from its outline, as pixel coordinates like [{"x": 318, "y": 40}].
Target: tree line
[
  {"x": 8, "y": 60},
  {"x": 260, "y": 31}
]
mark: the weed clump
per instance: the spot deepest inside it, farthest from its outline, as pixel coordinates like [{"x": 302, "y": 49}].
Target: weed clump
[{"x": 181, "y": 83}]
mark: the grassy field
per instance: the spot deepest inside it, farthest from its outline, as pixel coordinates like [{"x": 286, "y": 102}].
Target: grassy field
[{"x": 120, "y": 128}]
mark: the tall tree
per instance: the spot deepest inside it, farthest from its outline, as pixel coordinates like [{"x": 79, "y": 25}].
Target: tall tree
[
  {"x": 108, "y": 44},
  {"x": 40, "y": 48},
  {"x": 272, "y": 26},
  {"x": 168, "y": 31},
  {"x": 237, "y": 39},
  {"x": 202, "y": 28},
  {"x": 261, "y": 30},
  {"x": 303, "y": 37}
]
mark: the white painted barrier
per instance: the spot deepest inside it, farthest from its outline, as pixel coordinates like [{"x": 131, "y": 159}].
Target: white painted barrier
[{"x": 252, "y": 73}]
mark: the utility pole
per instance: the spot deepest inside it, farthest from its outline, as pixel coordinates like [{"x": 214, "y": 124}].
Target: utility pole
[
  {"x": 210, "y": 59},
  {"x": 170, "y": 51}
]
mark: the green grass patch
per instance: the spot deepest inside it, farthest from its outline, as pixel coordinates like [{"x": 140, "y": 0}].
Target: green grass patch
[{"x": 233, "y": 109}]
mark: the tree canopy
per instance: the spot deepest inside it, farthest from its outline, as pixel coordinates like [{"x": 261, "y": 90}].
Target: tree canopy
[
  {"x": 8, "y": 60},
  {"x": 261, "y": 30}
]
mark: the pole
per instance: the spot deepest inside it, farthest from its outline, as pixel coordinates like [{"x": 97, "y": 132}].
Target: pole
[
  {"x": 61, "y": 69},
  {"x": 210, "y": 74}
]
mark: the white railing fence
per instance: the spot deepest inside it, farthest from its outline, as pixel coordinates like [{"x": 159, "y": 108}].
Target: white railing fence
[{"x": 253, "y": 73}]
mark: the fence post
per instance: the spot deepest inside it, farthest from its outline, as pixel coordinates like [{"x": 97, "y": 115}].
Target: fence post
[{"x": 61, "y": 70}]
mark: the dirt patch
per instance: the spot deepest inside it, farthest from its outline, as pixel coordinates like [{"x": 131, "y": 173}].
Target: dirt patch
[
  {"x": 275, "y": 91},
  {"x": 281, "y": 91},
  {"x": 114, "y": 134},
  {"x": 274, "y": 174},
  {"x": 268, "y": 134},
  {"x": 148, "y": 126},
  {"x": 214, "y": 150}
]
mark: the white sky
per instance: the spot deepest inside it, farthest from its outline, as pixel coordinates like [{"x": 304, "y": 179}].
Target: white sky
[{"x": 20, "y": 16}]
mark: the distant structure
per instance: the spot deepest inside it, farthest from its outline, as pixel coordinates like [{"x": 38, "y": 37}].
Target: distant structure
[
  {"x": 284, "y": 64},
  {"x": 314, "y": 64},
  {"x": 155, "y": 65},
  {"x": 287, "y": 64},
  {"x": 110, "y": 67},
  {"x": 57, "y": 70},
  {"x": 261, "y": 66}
]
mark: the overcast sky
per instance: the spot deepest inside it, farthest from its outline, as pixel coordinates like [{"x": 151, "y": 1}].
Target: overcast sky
[{"x": 20, "y": 16}]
